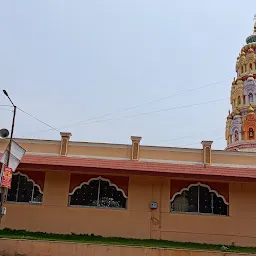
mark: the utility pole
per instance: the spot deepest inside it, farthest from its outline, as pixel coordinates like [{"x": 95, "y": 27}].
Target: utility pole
[{"x": 5, "y": 190}]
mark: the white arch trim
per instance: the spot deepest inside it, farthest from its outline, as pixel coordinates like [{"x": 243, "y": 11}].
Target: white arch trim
[
  {"x": 199, "y": 184},
  {"x": 98, "y": 178},
  {"x": 24, "y": 175}
]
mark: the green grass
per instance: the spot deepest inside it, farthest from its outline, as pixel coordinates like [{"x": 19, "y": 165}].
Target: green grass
[{"x": 22, "y": 234}]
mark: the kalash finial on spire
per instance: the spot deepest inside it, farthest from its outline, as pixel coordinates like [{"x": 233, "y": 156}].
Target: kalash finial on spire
[{"x": 252, "y": 38}]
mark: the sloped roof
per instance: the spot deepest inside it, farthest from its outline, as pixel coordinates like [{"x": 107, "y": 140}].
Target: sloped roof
[{"x": 140, "y": 167}]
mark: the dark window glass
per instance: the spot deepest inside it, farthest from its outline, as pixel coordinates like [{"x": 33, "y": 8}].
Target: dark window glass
[
  {"x": 110, "y": 196},
  {"x": 192, "y": 197},
  {"x": 205, "y": 200},
  {"x": 180, "y": 204},
  {"x": 87, "y": 195},
  {"x": 219, "y": 207},
  {"x": 37, "y": 195},
  {"x": 199, "y": 199},
  {"x": 187, "y": 201},
  {"x": 98, "y": 193},
  {"x": 23, "y": 190}
]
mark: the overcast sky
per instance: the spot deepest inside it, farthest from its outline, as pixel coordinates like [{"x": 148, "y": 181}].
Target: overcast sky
[{"x": 122, "y": 67}]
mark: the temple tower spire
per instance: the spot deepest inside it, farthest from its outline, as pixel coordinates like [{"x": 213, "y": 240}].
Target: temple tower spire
[{"x": 241, "y": 122}]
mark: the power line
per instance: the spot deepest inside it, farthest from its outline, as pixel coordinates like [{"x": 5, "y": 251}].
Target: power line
[
  {"x": 52, "y": 128},
  {"x": 189, "y": 144},
  {"x": 5, "y": 109},
  {"x": 5, "y": 106},
  {"x": 141, "y": 114},
  {"x": 144, "y": 104},
  {"x": 188, "y": 136},
  {"x": 125, "y": 109},
  {"x": 152, "y": 112}
]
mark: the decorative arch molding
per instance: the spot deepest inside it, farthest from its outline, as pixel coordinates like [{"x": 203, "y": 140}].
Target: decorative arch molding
[
  {"x": 250, "y": 86},
  {"x": 237, "y": 92},
  {"x": 236, "y": 124},
  {"x": 28, "y": 179},
  {"x": 99, "y": 178},
  {"x": 235, "y": 128},
  {"x": 196, "y": 185},
  {"x": 250, "y": 58}
]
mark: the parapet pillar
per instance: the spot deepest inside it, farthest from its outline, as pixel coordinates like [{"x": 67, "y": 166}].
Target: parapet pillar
[
  {"x": 207, "y": 152},
  {"x": 65, "y": 137},
  {"x": 135, "y": 147}
]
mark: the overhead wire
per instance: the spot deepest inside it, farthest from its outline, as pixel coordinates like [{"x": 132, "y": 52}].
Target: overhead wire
[
  {"x": 6, "y": 106},
  {"x": 194, "y": 143},
  {"x": 125, "y": 109},
  {"x": 189, "y": 136},
  {"x": 52, "y": 128},
  {"x": 137, "y": 106},
  {"x": 147, "y": 103},
  {"x": 5, "y": 109},
  {"x": 140, "y": 114},
  {"x": 151, "y": 112}
]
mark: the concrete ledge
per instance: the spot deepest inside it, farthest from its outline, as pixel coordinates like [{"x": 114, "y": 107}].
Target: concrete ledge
[{"x": 14, "y": 247}]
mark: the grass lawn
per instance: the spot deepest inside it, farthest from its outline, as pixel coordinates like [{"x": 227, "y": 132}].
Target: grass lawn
[{"x": 22, "y": 234}]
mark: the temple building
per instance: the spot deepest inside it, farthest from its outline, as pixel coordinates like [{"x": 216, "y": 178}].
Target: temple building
[
  {"x": 148, "y": 192},
  {"x": 241, "y": 122}
]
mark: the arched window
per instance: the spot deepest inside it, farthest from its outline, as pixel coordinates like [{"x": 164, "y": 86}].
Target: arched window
[
  {"x": 24, "y": 190},
  {"x": 239, "y": 100},
  {"x": 242, "y": 69},
  {"x": 199, "y": 198},
  {"x": 251, "y": 133},
  {"x": 98, "y": 192},
  {"x": 250, "y": 67},
  {"x": 250, "y": 97},
  {"x": 236, "y": 135},
  {"x": 244, "y": 99}
]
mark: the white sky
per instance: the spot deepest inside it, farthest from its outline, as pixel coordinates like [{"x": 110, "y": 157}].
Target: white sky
[{"x": 69, "y": 61}]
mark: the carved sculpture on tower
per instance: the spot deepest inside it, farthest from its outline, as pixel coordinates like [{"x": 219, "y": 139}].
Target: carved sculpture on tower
[{"x": 241, "y": 122}]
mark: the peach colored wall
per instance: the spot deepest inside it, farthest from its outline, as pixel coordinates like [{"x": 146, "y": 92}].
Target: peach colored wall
[
  {"x": 52, "y": 147},
  {"x": 35, "y": 248},
  {"x": 233, "y": 158},
  {"x": 119, "y": 152},
  {"x": 100, "y": 150},
  {"x": 138, "y": 221},
  {"x": 175, "y": 155},
  {"x": 55, "y": 216}
]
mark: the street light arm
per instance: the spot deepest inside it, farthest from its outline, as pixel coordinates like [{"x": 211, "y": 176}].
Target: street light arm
[{"x": 6, "y": 94}]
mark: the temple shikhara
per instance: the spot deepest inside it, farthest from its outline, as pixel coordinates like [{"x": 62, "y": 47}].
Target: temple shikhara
[
  {"x": 147, "y": 192},
  {"x": 241, "y": 122}
]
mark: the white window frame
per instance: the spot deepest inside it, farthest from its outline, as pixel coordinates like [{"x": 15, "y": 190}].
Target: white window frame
[
  {"x": 198, "y": 205},
  {"x": 98, "y": 207},
  {"x": 34, "y": 185}
]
